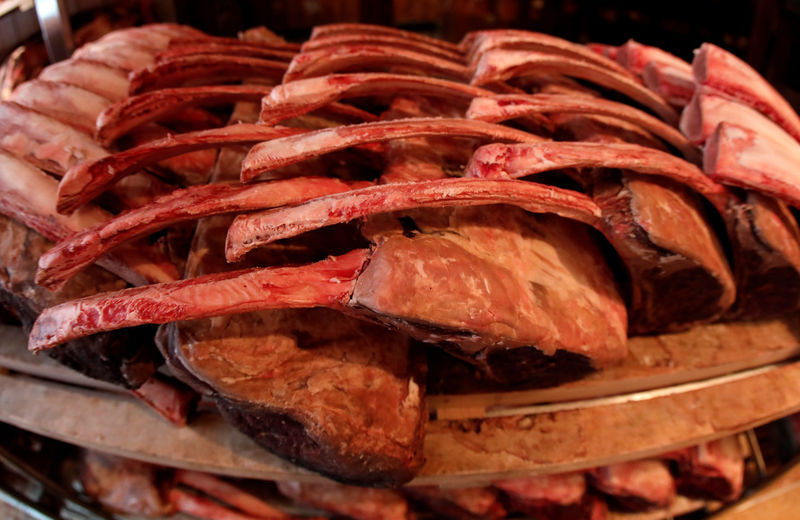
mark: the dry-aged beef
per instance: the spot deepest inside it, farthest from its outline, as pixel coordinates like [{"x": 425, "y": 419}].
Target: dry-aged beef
[
  {"x": 127, "y": 358},
  {"x": 714, "y": 470},
  {"x": 481, "y": 503},
  {"x": 558, "y": 497},
  {"x": 352, "y": 502},
  {"x": 636, "y": 485}
]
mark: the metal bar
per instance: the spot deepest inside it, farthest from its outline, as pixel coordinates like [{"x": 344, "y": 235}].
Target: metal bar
[{"x": 56, "y": 31}]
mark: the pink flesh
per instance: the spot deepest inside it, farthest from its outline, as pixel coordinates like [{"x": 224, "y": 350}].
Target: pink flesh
[
  {"x": 671, "y": 83},
  {"x": 635, "y": 56},
  {"x": 302, "y": 96},
  {"x": 741, "y": 157},
  {"x": 501, "y": 65},
  {"x": 646, "y": 479},
  {"x": 250, "y": 231},
  {"x": 562, "y": 488},
  {"x": 28, "y": 195},
  {"x": 238, "y": 49},
  {"x": 604, "y": 49},
  {"x": 43, "y": 141},
  {"x": 708, "y": 109},
  {"x": 71, "y": 105},
  {"x": 534, "y": 41},
  {"x": 95, "y": 77},
  {"x": 720, "y": 70},
  {"x": 221, "y": 40},
  {"x": 79, "y": 251},
  {"x": 88, "y": 179},
  {"x": 520, "y": 160},
  {"x": 208, "y": 68},
  {"x": 202, "y": 507},
  {"x": 273, "y": 154},
  {"x": 721, "y": 458},
  {"x": 324, "y": 31},
  {"x": 170, "y": 401},
  {"x": 227, "y": 493},
  {"x": 339, "y": 59},
  {"x": 503, "y": 107},
  {"x": 328, "y": 283},
  {"x": 383, "y": 40},
  {"x": 116, "y": 53},
  {"x": 135, "y": 111}
]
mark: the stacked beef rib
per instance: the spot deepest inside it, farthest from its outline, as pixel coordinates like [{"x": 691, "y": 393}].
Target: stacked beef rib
[{"x": 382, "y": 190}]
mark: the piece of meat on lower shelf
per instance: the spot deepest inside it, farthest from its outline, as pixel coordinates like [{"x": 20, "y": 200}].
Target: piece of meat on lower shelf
[
  {"x": 638, "y": 485},
  {"x": 714, "y": 470},
  {"x": 473, "y": 503},
  {"x": 349, "y": 501},
  {"x": 561, "y": 496}
]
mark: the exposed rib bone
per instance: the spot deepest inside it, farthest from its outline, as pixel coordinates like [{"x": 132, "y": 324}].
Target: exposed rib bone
[
  {"x": 328, "y": 283},
  {"x": 721, "y": 70},
  {"x": 95, "y": 77},
  {"x": 339, "y": 59},
  {"x": 635, "y": 56},
  {"x": 199, "y": 506},
  {"x": 79, "y": 251},
  {"x": 250, "y": 231},
  {"x": 383, "y": 40},
  {"x": 323, "y": 31},
  {"x": 484, "y": 41},
  {"x": 86, "y": 180},
  {"x": 208, "y": 68},
  {"x": 741, "y": 157},
  {"x": 520, "y": 160},
  {"x": 289, "y": 150},
  {"x": 501, "y": 65},
  {"x": 119, "y": 54},
  {"x": 503, "y": 107},
  {"x": 43, "y": 141},
  {"x": 302, "y": 96},
  {"x": 669, "y": 82},
  {"x": 71, "y": 105},
  {"x": 238, "y": 49},
  {"x": 228, "y": 494},
  {"x": 28, "y": 196}
]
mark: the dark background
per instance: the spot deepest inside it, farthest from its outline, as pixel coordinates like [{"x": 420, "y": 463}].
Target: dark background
[{"x": 764, "y": 33}]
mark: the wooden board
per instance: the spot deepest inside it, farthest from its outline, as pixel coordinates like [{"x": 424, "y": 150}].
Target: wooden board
[
  {"x": 458, "y": 452},
  {"x": 654, "y": 362}
]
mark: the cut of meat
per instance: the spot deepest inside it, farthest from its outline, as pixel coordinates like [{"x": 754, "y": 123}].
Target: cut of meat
[
  {"x": 352, "y": 502},
  {"x": 720, "y": 70},
  {"x": 741, "y": 157},
  {"x": 95, "y": 77},
  {"x": 713, "y": 470},
  {"x": 501, "y": 65},
  {"x": 203, "y": 69},
  {"x": 234, "y": 49},
  {"x": 635, "y": 57},
  {"x": 521, "y": 160},
  {"x": 80, "y": 250},
  {"x": 250, "y": 231},
  {"x": 124, "y": 358},
  {"x": 326, "y": 283},
  {"x": 371, "y": 57},
  {"x": 70, "y": 105},
  {"x": 115, "y": 53},
  {"x": 671, "y": 83},
  {"x": 323, "y": 31},
  {"x": 460, "y": 503},
  {"x": 503, "y": 107},
  {"x": 561, "y": 496},
  {"x": 483, "y": 41},
  {"x": 302, "y": 96},
  {"x": 44, "y": 142},
  {"x": 27, "y": 195},
  {"x": 91, "y": 177},
  {"x": 635, "y": 486},
  {"x": 229, "y": 494},
  {"x": 382, "y": 40},
  {"x": 284, "y": 151},
  {"x": 167, "y": 397},
  {"x": 766, "y": 243}
]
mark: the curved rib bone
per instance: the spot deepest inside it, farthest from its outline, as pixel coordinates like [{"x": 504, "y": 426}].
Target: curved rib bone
[
  {"x": 323, "y": 31},
  {"x": 739, "y": 156},
  {"x": 95, "y": 77},
  {"x": 87, "y": 180},
  {"x": 115, "y": 53},
  {"x": 302, "y": 96},
  {"x": 69, "y": 104},
  {"x": 328, "y": 283},
  {"x": 519, "y": 160},
  {"x": 208, "y": 68},
  {"x": 28, "y": 195},
  {"x": 484, "y": 41},
  {"x": 383, "y": 40},
  {"x": 238, "y": 49},
  {"x": 335, "y": 59},
  {"x": 503, "y": 107},
  {"x": 80, "y": 250},
  {"x": 501, "y": 65},
  {"x": 250, "y": 231},
  {"x": 273, "y": 154},
  {"x": 717, "y": 68}
]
